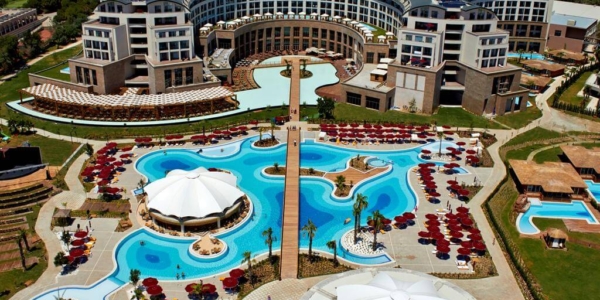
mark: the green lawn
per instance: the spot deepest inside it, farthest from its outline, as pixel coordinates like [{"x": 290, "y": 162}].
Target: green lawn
[
  {"x": 548, "y": 155},
  {"x": 15, "y": 3},
  {"x": 444, "y": 116},
  {"x": 570, "y": 95},
  {"x": 522, "y": 118},
  {"x": 537, "y": 133},
  {"x": 54, "y": 152},
  {"x": 561, "y": 274},
  {"x": 56, "y": 74}
]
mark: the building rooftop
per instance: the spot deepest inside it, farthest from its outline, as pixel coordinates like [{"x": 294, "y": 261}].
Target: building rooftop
[
  {"x": 572, "y": 21},
  {"x": 537, "y": 80},
  {"x": 553, "y": 177},
  {"x": 582, "y": 157},
  {"x": 363, "y": 80},
  {"x": 577, "y": 9},
  {"x": 542, "y": 65},
  {"x": 567, "y": 54}
]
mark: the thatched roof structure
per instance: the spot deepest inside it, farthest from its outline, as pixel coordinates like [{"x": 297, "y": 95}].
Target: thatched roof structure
[
  {"x": 542, "y": 65},
  {"x": 553, "y": 177},
  {"x": 567, "y": 54},
  {"x": 537, "y": 80},
  {"x": 581, "y": 157},
  {"x": 556, "y": 233}
]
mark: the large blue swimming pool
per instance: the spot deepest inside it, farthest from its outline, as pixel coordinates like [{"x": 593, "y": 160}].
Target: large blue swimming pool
[
  {"x": 594, "y": 189},
  {"x": 158, "y": 257},
  {"x": 553, "y": 210}
]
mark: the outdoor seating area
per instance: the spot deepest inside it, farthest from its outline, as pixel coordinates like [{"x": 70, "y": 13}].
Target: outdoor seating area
[
  {"x": 536, "y": 84},
  {"x": 550, "y": 180},
  {"x": 105, "y": 168},
  {"x": 543, "y": 67},
  {"x": 77, "y": 247},
  {"x": 51, "y": 99},
  {"x": 208, "y": 245},
  {"x": 567, "y": 56}
]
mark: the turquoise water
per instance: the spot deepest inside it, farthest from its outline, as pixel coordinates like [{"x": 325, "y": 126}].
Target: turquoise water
[
  {"x": 553, "y": 210},
  {"x": 594, "y": 189},
  {"x": 526, "y": 55},
  {"x": 389, "y": 193},
  {"x": 66, "y": 70}
]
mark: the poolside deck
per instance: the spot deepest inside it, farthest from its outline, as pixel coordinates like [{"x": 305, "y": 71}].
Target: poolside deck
[
  {"x": 355, "y": 176},
  {"x": 583, "y": 225}
]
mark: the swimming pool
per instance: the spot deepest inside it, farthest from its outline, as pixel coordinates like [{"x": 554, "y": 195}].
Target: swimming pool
[
  {"x": 66, "y": 70},
  {"x": 278, "y": 59},
  {"x": 553, "y": 210},
  {"x": 389, "y": 193},
  {"x": 594, "y": 189},
  {"x": 526, "y": 55}
]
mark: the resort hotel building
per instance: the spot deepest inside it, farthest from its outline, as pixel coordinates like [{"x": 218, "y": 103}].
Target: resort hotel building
[{"x": 413, "y": 55}]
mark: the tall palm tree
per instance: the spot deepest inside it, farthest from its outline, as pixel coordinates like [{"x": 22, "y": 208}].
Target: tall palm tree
[
  {"x": 138, "y": 294},
  {"x": 134, "y": 276},
  {"x": 377, "y": 219},
  {"x": 310, "y": 229},
  {"x": 197, "y": 291},
  {"x": 333, "y": 246},
  {"x": 359, "y": 205},
  {"x": 247, "y": 258},
  {"x": 23, "y": 235},
  {"x": 340, "y": 182},
  {"x": 520, "y": 51},
  {"x": 269, "y": 239},
  {"x": 21, "y": 253},
  {"x": 441, "y": 136},
  {"x": 276, "y": 166}
]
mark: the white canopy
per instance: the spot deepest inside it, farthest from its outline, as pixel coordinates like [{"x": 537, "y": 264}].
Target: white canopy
[
  {"x": 302, "y": 13},
  {"x": 197, "y": 193},
  {"x": 382, "y": 66},
  {"x": 324, "y": 15},
  {"x": 386, "y": 60},
  {"x": 379, "y": 72},
  {"x": 279, "y": 13},
  {"x": 291, "y": 13},
  {"x": 268, "y": 14},
  {"x": 383, "y": 286},
  {"x": 208, "y": 25},
  {"x": 221, "y": 22}
]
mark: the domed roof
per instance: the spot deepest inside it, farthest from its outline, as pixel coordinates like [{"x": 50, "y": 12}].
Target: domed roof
[
  {"x": 383, "y": 286},
  {"x": 193, "y": 194}
]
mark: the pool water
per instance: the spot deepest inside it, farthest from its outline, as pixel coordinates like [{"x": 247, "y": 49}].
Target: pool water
[
  {"x": 158, "y": 256},
  {"x": 594, "y": 189},
  {"x": 553, "y": 210},
  {"x": 526, "y": 55},
  {"x": 66, "y": 70}
]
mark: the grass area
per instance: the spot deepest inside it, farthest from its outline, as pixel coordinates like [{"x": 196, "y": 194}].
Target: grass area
[
  {"x": 56, "y": 74},
  {"x": 548, "y": 155},
  {"x": 583, "y": 116},
  {"x": 14, "y": 280},
  {"x": 15, "y": 3},
  {"x": 560, "y": 274},
  {"x": 54, "y": 152},
  {"x": 444, "y": 116},
  {"x": 570, "y": 94},
  {"x": 543, "y": 223},
  {"x": 522, "y": 118},
  {"x": 10, "y": 89},
  {"x": 537, "y": 133}
]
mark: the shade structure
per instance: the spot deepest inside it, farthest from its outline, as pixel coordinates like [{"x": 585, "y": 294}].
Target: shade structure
[
  {"x": 77, "y": 243},
  {"x": 431, "y": 217},
  {"x": 190, "y": 287},
  {"x": 383, "y": 286},
  {"x": 475, "y": 237},
  {"x": 464, "y": 251},
  {"x": 471, "y": 151},
  {"x": 409, "y": 215},
  {"x": 456, "y": 234},
  {"x": 103, "y": 182},
  {"x": 80, "y": 234},
  {"x": 452, "y": 182},
  {"x": 455, "y": 227},
  {"x": 427, "y": 177},
  {"x": 126, "y": 156},
  {"x": 425, "y": 151},
  {"x": 442, "y": 249},
  {"x": 462, "y": 209},
  {"x": 462, "y": 216},
  {"x": 193, "y": 194},
  {"x": 76, "y": 252},
  {"x": 118, "y": 163},
  {"x": 236, "y": 273},
  {"x": 474, "y": 231},
  {"x": 386, "y": 221},
  {"x": 461, "y": 143},
  {"x": 431, "y": 185},
  {"x": 229, "y": 283},
  {"x": 209, "y": 288},
  {"x": 479, "y": 246},
  {"x": 466, "y": 244},
  {"x": 463, "y": 192},
  {"x": 437, "y": 235},
  {"x": 433, "y": 229},
  {"x": 474, "y": 159},
  {"x": 424, "y": 234},
  {"x": 448, "y": 166},
  {"x": 154, "y": 290},
  {"x": 450, "y": 216},
  {"x": 442, "y": 242},
  {"x": 150, "y": 281},
  {"x": 434, "y": 194},
  {"x": 433, "y": 223},
  {"x": 455, "y": 187},
  {"x": 125, "y": 149},
  {"x": 466, "y": 222}
]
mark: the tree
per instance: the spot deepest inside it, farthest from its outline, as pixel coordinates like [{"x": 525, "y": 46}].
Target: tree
[
  {"x": 134, "y": 276},
  {"x": 247, "y": 258},
  {"x": 260, "y": 132},
  {"x": 440, "y": 135},
  {"x": 269, "y": 239},
  {"x": 340, "y": 182},
  {"x": 276, "y": 166},
  {"x": 23, "y": 235},
  {"x": 359, "y": 205},
  {"x": 325, "y": 106},
  {"x": 197, "y": 291},
  {"x": 531, "y": 84},
  {"x": 412, "y": 105},
  {"x": 32, "y": 44},
  {"x": 560, "y": 56},
  {"x": 333, "y": 246},
  {"x": 60, "y": 259},
  {"x": 377, "y": 219},
  {"x": 21, "y": 253},
  {"x": 272, "y": 131},
  {"x": 138, "y": 294},
  {"x": 89, "y": 150},
  {"x": 520, "y": 51},
  {"x": 66, "y": 237},
  {"x": 309, "y": 230},
  {"x": 9, "y": 53}
]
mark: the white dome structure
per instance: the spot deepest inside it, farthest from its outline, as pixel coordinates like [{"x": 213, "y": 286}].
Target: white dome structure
[
  {"x": 196, "y": 197},
  {"x": 383, "y": 286}
]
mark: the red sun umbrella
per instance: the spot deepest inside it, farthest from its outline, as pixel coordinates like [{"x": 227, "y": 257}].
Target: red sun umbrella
[
  {"x": 456, "y": 187},
  {"x": 111, "y": 145},
  {"x": 400, "y": 219},
  {"x": 454, "y": 165},
  {"x": 450, "y": 216},
  {"x": 442, "y": 241},
  {"x": 425, "y": 151},
  {"x": 461, "y": 143},
  {"x": 434, "y": 194},
  {"x": 154, "y": 290},
  {"x": 367, "y": 126},
  {"x": 354, "y": 125},
  {"x": 424, "y": 234},
  {"x": 452, "y": 182},
  {"x": 433, "y": 223},
  {"x": 463, "y": 192},
  {"x": 448, "y": 132},
  {"x": 102, "y": 151},
  {"x": 446, "y": 127},
  {"x": 190, "y": 287},
  {"x": 209, "y": 288},
  {"x": 103, "y": 182},
  {"x": 456, "y": 234},
  {"x": 462, "y": 209},
  {"x": 466, "y": 244},
  {"x": 437, "y": 235},
  {"x": 423, "y": 165},
  {"x": 242, "y": 128},
  {"x": 471, "y": 151},
  {"x": 454, "y": 227},
  {"x": 87, "y": 173},
  {"x": 427, "y": 177},
  {"x": 80, "y": 234},
  {"x": 76, "y": 252},
  {"x": 409, "y": 215},
  {"x": 229, "y": 283},
  {"x": 386, "y": 221},
  {"x": 150, "y": 281},
  {"x": 77, "y": 243},
  {"x": 431, "y": 217},
  {"x": 431, "y": 185},
  {"x": 448, "y": 166},
  {"x": 474, "y": 231},
  {"x": 139, "y": 140},
  {"x": 433, "y": 229},
  {"x": 475, "y": 237},
  {"x": 462, "y": 216},
  {"x": 479, "y": 246},
  {"x": 125, "y": 149},
  {"x": 126, "y": 155},
  {"x": 236, "y": 273},
  {"x": 226, "y": 132},
  {"x": 111, "y": 159},
  {"x": 474, "y": 160},
  {"x": 443, "y": 249},
  {"x": 118, "y": 163},
  {"x": 450, "y": 149},
  {"x": 233, "y": 129},
  {"x": 254, "y": 122},
  {"x": 464, "y": 251}
]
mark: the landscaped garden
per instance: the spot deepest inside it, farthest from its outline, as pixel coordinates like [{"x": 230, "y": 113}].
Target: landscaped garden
[
  {"x": 522, "y": 118},
  {"x": 570, "y": 94},
  {"x": 54, "y": 152}
]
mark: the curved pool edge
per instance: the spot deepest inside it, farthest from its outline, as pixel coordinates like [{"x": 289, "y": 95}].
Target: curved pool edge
[{"x": 537, "y": 230}]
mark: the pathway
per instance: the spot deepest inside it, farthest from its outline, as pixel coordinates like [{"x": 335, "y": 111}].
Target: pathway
[
  {"x": 535, "y": 152},
  {"x": 291, "y": 206}
]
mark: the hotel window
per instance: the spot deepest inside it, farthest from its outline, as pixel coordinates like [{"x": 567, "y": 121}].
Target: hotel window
[
  {"x": 79, "y": 74},
  {"x": 286, "y": 31},
  {"x": 296, "y": 31},
  {"x": 372, "y": 103},
  {"x": 94, "y": 79},
  {"x": 370, "y": 57},
  {"x": 353, "y": 98},
  {"x": 557, "y": 32},
  {"x": 168, "y": 82},
  {"x": 178, "y": 77}
]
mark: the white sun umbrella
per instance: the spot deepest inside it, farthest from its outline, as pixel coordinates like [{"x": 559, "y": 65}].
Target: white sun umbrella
[
  {"x": 337, "y": 17},
  {"x": 208, "y": 25},
  {"x": 360, "y": 25},
  {"x": 302, "y": 13},
  {"x": 245, "y": 18},
  {"x": 314, "y": 14},
  {"x": 221, "y": 22},
  {"x": 389, "y": 33},
  {"x": 203, "y": 28},
  {"x": 382, "y": 286},
  {"x": 237, "y": 20},
  {"x": 325, "y": 15},
  {"x": 291, "y": 13},
  {"x": 279, "y": 13},
  {"x": 257, "y": 15},
  {"x": 354, "y": 22},
  {"x": 268, "y": 14},
  {"x": 346, "y": 20}
]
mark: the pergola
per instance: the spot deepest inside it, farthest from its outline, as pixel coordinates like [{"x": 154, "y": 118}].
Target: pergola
[{"x": 59, "y": 101}]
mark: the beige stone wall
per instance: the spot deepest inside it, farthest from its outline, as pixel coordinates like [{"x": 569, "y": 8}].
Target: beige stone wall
[
  {"x": 35, "y": 79},
  {"x": 383, "y": 97},
  {"x": 110, "y": 77},
  {"x": 433, "y": 81},
  {"x": 156, "y": 75},
  {"x": 526, "y": 38}
]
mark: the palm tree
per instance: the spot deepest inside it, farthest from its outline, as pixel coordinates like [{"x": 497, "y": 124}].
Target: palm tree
[
  {"x": 531, "y": 84},
  {"x": 247, "y": 258},
  {"x": 60, "y": 259},
  {"x": 520, "y": 51},
  {"x": 377, "y": 219},
  {"x": 197, "y": 291},
  {"x": 276, "y": 167},
  {"x": 340, "y": 182},
  {"x": 560, "y": 56},
  {"x": 441, "y": 136},
  {"x": 310, "y": 229},
  {"x": 23, "y": 235},
  {"x": 21, "y": 253},
  {"x": 333, "y": 246},
  {"x": 134, "y": 276},
  {"x": 359, "y": 205},
  {"x": 138, "y": 294},
  {"x": 272, "y": 131},
  {"x": 269, "y": 239},
  {"x": 260, "y": 132}
]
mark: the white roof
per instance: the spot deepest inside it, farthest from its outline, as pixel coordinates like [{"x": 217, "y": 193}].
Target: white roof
[
  {"x": 382, "y": 66},
  {"x": 383, "y": 286},
  {"x": 386, "y": 60},
  {"x": 379, "y": 72},
  {"x": 197, "y": 193}
]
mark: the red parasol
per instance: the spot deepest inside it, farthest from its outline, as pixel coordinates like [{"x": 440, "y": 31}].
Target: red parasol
[
  {"x": 118, "y": 163},
  {"x": 125, "y": 149},
  {"x": 446, "y": 126},
  {"x": 150, "y": 281},
  {"x": 111, "y": 145},
  {"x": 456, "y": 187},
  {"x": 431, "y": 217},
  {"x": 466, "y": 222},
  {"x": 450, "y": 216},
  {"x": 80, "y": 234},
  {"x": 463, "y": 192},
  {"x": 479, "y": 246},
  {"x": 102, "y": 151},
  {"x": 233, "y": 129},
  {"x": 450, "y": 149},
  {"x": 448, "y": 166},
  {"x": 236, "y": 273},
  {"x": 475, "y": 237},
  {"x": 433, "y": 229},
  {"x": 154, "y": 290},
  {"x": 461, "y": 143},
  {"x": 452, "y": 182},
  {"x": 229, "y": 283},
  {"x": 423, "y": 165},
  {"x": 437, "y": 235},
  {"x": 400, "y": 219},
  {"x": 474, "y": 159},
  {"x": 471, "y": 151},
  {"x": 431, "y": 185},
  {"x": 126, "y": 155},
  {"x": 425, "y": 151},
  {"x": 466, "y": 244},
  {"x": 103, "y": 182},
  {"x": 111, "y": 159},
  {"x": 462, "y": 215},
  {"x": 226, "y": 132},
  {"x": 253, "y": 122},
  {"x": 386, "y": 221},
  {"x": 76, "y": 252},
  {"x": 456, "y": 234},
  {"x": 462, "y": 209},
  {"x": 190, "y": 287},
  {"x": 424, "y": 234},
  {"x": 87, "y": 173},
  {"x": 474, "y": 231},
  {"x": 209, "y": 288},
  {"x": 242, "y": 128},
  {"x": 443, "y": 249},
  {"x": 409, "y": 215},
  {"x": 442, "y": 241},
  {"x": 455, "y": 227},
  {"x": 434, "y": 194},
  {"x": 427, "y": 177},
  {"x": 77, "y": 243},
  {"x": 433, "y": 223},
  {"x": 464, "y": 251}
]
